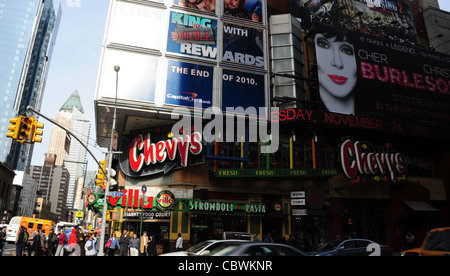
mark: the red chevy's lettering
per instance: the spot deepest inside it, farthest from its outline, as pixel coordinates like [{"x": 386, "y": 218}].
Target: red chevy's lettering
[{"x": 143, "y": 150}]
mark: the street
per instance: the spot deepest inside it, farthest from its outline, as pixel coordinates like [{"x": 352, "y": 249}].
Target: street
[{"x": 10, "y": 249}]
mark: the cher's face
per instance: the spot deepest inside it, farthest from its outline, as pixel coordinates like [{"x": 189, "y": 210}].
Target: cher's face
[{"x": 336, "y": 63}]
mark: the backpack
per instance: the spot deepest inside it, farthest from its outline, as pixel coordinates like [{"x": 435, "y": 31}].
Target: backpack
[{"x": 25, "y": 237}]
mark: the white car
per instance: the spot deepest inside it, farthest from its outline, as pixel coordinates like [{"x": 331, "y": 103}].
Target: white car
[{"x": 205, "y": 248}]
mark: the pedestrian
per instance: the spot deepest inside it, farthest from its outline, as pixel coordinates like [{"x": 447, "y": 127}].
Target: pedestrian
[
  {"x": 61, "y": 237},
  {"x": 89, "y": 247},
  {"x": 30, "y": 243},
  {"x": 73, "y": 246},
  {"x": 21, "y": 240},
  {"x": 151, "y": 250},
  {"x": 291, "y": 241},
  {"x": 124, "y": 242},
  {"x": 194, "y": 240},
  {"x": 39, "y": 242},
  {"x": 410, "y": 240},
  {"x": 2, "y": 240},
  {"x": 143, "y": 248},
  {"x": 179, "y": 243},
  {"x": 134, "y": 245},
  {"x": 113, "y": 244},
  {"x": 52, "y": 243},
  {"x": 255, "y": 238}
]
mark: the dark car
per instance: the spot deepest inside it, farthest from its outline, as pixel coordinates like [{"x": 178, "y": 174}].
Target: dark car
[
  {"x": 352, "y": 247},
  {"x": 257, "y": 249}
]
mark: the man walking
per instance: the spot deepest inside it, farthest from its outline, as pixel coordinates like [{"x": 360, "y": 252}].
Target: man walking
[{"x": 124, "y": 242}]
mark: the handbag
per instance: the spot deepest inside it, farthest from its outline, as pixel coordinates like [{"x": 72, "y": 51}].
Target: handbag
[
  {"x": 90, "y": 247},
  {"x": 108, "y": 244}
]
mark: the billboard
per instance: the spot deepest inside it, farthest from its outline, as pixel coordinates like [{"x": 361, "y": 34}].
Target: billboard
[
  {"x": 385, "y": 18},
  {"x": 138, "y": 76},
  {"x": 192, "y": 35},
  {"x": 251, "y": 10},
  {"x": 371, "y": 76},
  {"x": 200, "y": 5},
  {"x": 189, "y": 83},
  {"x": 243, "y": 45},
  {"x": 243, "y": 89}
]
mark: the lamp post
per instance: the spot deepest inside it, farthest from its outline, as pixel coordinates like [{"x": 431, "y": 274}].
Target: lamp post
[{"x": 108, "y": 181}]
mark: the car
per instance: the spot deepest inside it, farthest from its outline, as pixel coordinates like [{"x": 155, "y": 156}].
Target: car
[
  {"x": 436, "y": 243},
  {"x": 205, "y": 248},
  {"x": 352, "y": 247},
  {"x": 257, "y": 249}
]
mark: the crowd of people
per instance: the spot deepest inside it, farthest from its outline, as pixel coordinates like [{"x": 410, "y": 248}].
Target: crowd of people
[{"x": 81, "y": 243}]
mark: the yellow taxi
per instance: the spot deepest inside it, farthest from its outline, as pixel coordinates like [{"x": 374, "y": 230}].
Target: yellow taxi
[{"x": 436, "y": 243}]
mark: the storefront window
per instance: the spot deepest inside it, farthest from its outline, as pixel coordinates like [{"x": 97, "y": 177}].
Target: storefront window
[{"x": 208, "y": 226}]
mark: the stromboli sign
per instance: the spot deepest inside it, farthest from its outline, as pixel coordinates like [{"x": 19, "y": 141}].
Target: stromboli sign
[{"x": 354, "y": 159}]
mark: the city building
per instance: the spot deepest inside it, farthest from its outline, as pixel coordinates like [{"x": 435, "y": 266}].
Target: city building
[
  {"x": 6, "y": 189},
  {"x": 52, "y": 186},
  {"x": 28, "y": 31},
  {"x": 275, "y": 118},
  {"x": 69, "y": 152}
]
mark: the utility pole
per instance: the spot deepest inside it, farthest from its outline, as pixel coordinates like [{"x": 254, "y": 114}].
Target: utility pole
[{"x": 108, "y": 181}]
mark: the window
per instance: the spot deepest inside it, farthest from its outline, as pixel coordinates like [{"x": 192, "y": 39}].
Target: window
[{"x": 270, "y": 250}]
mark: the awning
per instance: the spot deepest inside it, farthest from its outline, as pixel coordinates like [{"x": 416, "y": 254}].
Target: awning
[{"x": 420, "y": 206}]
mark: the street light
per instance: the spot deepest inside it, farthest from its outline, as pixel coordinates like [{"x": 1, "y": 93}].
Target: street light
[{"x": 108, "y": 182}]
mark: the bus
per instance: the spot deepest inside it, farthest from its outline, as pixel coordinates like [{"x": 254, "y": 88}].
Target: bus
[{"x": 29, "y": 223}]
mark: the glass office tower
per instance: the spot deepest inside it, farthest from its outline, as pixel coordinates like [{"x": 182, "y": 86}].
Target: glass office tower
[{"x": 26, "y": 28}]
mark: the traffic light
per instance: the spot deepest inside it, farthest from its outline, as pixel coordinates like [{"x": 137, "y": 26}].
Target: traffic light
[
  {"x": 14, "y": 128},
  {"x": 100, "y": 180},
  {"x": 37, "y": 130},
  {"x": 25, "y": 129}
]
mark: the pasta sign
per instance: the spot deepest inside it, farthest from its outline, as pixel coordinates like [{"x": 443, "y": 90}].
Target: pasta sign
[
  {"x": 142, "y": 150},
  {"x": 354, "y": 160}
]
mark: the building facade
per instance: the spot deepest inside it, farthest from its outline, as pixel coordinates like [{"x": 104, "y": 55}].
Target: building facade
[
  {"x": 27, "y": 27},
  {"x": 52, "y": 185},
  {"x": 6, "y": 189},
  {"x": 193, "y": 94},
  {"x": 69, "y": 152}
]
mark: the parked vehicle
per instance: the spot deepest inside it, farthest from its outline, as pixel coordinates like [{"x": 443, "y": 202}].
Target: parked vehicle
[
  {"x": 257, "y": 250},
  {"x": 29, "y": 223},
  {"x": 205, "y": 248},
  {"x": 436, "y": 243},
  {"x": 352, "y": 247}
]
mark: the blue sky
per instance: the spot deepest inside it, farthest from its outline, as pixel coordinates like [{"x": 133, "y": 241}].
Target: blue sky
[
  {"x": 444, "y": 5},
  {"x": 74, "y": 66}
]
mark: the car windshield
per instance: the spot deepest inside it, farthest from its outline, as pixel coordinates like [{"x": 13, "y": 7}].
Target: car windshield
[
  {"x": 438, "y": 241},
  {"x": 225, "y": 250},
  {"x": 198, "y": 247},
  {"x": 329, "y": 246}
]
